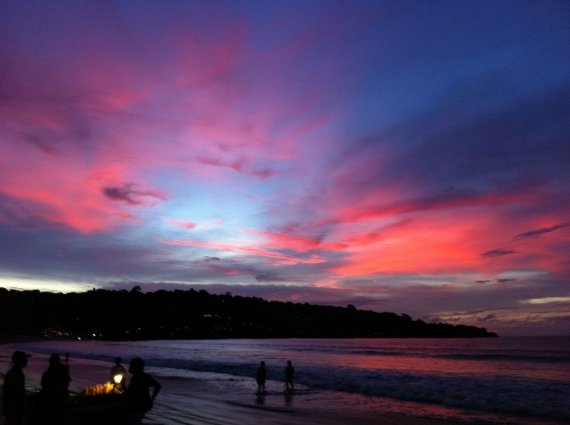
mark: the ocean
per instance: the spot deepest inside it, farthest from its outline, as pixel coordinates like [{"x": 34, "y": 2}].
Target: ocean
[{"x": 524, "y": 379}]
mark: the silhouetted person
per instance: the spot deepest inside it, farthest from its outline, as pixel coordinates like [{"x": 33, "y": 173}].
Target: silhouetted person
[
  {"x": 139, "y": 399},
  {"x": 261, "y": 377},
  {"x": 118, "y": 375},
  {"x": 289, "y": 373},
  {"x": 14, "y": 397},
  {"x": 55, "y": 387}
]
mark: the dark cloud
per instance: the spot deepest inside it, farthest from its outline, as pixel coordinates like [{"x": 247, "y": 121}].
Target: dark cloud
[
  {"x": 26, "y": 214},
  {"x": 243, "y": 270},
  {"x": 129, "y": 194},
  {"x": 240, "y": 165},
  {"x": 541, "y": 231},
  {"x": 269, "y": 277},
  {"x": 482, "y": 281},
  {"x": 211, "y": 259},
  {"x": 493, "y": 146},
  {"x": 505, "y": 280},
  {"x": 508, "y": 144},
  {"x": 499, "y": 252},
  {"x": 62, "y": 254},
  {"x": 487, "y": 318},
  {"x": 236, "y": 165},
  {"x": 41, "y": 143},
  {"x": 264, "y": 173}
]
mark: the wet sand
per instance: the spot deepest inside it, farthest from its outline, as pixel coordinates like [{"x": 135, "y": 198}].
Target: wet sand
[{"x": 201, "y": 403}]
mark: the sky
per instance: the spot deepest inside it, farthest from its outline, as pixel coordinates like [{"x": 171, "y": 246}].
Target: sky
[{"x": 402, "y": 156}]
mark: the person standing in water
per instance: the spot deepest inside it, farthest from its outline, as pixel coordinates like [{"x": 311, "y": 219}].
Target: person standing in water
[
  {"x": 139, "y": 399},
  {"x": 289, "y": 373},
  {"x": 14, "y": 396},
  {"x": 261, "y": 377}
]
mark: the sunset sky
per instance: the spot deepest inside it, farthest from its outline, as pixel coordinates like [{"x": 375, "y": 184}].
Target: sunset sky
[{"x": 403, "y": 156}]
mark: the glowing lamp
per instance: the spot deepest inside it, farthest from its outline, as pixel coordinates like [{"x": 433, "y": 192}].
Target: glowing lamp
[{"x": 118, "y": 378}]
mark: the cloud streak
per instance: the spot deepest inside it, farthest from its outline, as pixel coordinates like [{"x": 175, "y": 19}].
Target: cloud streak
[
  {"x": 276, "y": 257},
  {"x": 541, "y": 231}
]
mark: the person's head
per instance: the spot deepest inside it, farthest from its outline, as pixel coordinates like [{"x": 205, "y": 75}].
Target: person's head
[
  {"x": 136, "y": 365},
  {"x": 54, "y": 359},
  {"x": 288, "y": 362},
  {"x": 118, "y": 360},
  {"x": 263, "y": 364},
  {"x": 20, "y": 359}
]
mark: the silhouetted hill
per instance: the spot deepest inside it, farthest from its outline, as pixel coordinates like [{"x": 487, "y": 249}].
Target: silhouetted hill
[{"x": 198, "y": 314}]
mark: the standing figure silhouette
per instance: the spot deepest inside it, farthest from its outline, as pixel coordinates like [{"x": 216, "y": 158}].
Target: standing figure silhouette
[
  {"x": 14, "y": 396},
  {"x": 289, "y": 373},
  {"x": 139, "y": 399},
  {"x": 261, "y": 377},
  {"x": 55, "y": 388}
]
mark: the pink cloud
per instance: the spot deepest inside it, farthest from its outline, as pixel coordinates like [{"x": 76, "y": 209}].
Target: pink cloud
[
  {"x": 276, "y": 257},
  {"x": 189, "y": 225},
  {"x": 282, "y": 240},
  {"x": 70, "y": 190},
  {"x": 432, "y": 246}
]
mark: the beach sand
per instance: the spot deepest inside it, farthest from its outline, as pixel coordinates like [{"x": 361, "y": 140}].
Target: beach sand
[{"x": 202, "y": 402}]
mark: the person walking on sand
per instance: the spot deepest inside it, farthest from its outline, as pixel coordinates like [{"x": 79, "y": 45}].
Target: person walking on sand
[
  {"x": 14, "y": 396},
  {"x": 289, "y": 373},
  {"x": 261, "y": 377},
  {"x": 139, "y": 399}
]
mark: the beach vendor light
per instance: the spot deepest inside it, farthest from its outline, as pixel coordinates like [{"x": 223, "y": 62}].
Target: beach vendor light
[
  {"x": 118, "y": 378},
  {"x": 98, "y": 390}
]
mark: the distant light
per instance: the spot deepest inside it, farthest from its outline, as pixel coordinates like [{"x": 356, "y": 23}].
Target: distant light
[
  {"x": 118, "y": 378},
  {"x": 78, "y": 338}
]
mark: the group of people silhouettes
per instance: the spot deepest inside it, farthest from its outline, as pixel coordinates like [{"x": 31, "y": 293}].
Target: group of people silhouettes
[
  {"x": 139, "y": 393},
  {"x": 261, "y": 377},
  {"x": 51, "y": 400}
]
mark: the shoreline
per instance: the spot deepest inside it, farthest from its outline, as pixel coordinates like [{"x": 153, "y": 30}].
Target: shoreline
[
  {"x": 204, "y": 404},
  {"x": 232, "y": 401},
  {"x": 200, "y": 402}
]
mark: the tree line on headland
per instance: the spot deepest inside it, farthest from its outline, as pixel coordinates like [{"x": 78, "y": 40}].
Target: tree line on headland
[{"x": 177, "y": 314}]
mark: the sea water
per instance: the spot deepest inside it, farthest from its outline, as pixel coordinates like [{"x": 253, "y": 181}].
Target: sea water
[{"x": 521, "y": 376}]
